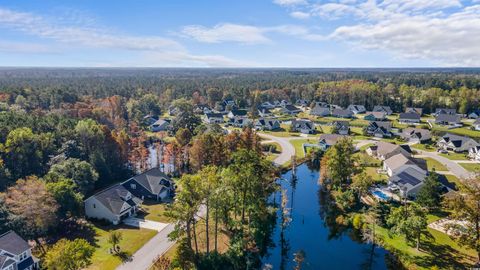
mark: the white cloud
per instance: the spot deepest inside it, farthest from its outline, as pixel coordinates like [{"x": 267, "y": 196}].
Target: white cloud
[
  {"x": 300, "y": 15},
  {"x": 290, "y": 2},
  {"x": 23, "y": 47},
  {"x": 226, "y": 32}
]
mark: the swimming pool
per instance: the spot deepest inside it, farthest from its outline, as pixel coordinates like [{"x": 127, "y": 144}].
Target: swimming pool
[{"x": 382, "y": 196}]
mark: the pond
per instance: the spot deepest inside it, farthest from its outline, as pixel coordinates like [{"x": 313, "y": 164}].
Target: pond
[{"x": 324, "y": 247}]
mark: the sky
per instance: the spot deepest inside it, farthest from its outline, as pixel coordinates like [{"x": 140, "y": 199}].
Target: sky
[{"x": 246, "y": 33}]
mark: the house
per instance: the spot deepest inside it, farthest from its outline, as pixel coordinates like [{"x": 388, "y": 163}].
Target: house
[
  {"x": 379, "y": 129},
  {"x": 319, "y": 110},
  {"x": 396, "y": 162},
  {"x": 475, "y": 114},
  {"x": 152, "y": 184},
  {"x": 160, "y": 125},
  {"x": 268, "y": 105},
  {"x": 356, "y": 109},
  {"x": 375, "y": 116},
  {"x": 229, "y": 103},
  {"x": 341, "y": 113},
  {"x": 448, "y": 120},
  {"x": 474, "y": 153},
  {"x": 237, "y": 113},
  {"x": 409, "y": 118},
  {"x": 439, "y": 111},
  {"x": 456, "y": 143},
  {"x": 148, "y": 120},
  {"x": 476, "y": 124},
  {"x": 328, "y": 140},
  {"x": 239, "y": 122},
  {"x": 418, "y": 111},
  {"x": 172, "y": 110},
  {"x": 341, "y": 127},
  {"x": 304, "y": 126},
  {"x": 290, "y": 109},
  {"x": 264, "y": 112},
  {"x": 213, "y": 118},
  {"x": 302, "y": 103},
  {"x": 385, "y": 150},
  {"x": 385, "y": 109},
  {"x": 113, "y": 204},
  {"x": 284, "y": 103},
  {"x": 202, "y": 109},
  {"x": 15, "y": 253},
  {"x": 416, "y": 135},
  {"x": 267, "y": 124},
  {"x": 408, "y": 180}
]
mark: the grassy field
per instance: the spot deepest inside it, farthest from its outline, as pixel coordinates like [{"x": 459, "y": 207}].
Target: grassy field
[
  {"x": 297, "y": 144},
  {"x": 372, "y": 171},
  {"x": 367, "y": 160},
  {"x": 471, "y": 167},
  {"x": 156, "y": 212},
  {"x": 433, "y": 164},
  {"x": 133, "y": 239},
  {"x": 455, "y": 156},
  {"x": 424, "y": 147}
]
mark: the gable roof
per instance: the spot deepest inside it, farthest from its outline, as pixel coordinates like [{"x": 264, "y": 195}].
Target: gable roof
[
  {"x": 415, "y": 110},
  {"x": 330, "y": 139},
  {"x": 458, "y": 141},
  {"x": 376, "y": 115},
  {"x": 319, "y": 110},
  {"x": 341, "y": 124},
  {"x": 409, "y": 116},
  {"x": 5, "y": 261},
  {"x": 397, "y": 161},
  {"x": 290, "y": 107},
  {"x": 449, "y": 118},
  {"x": 358, "y": 108},
  {"x": 445, "y": 111},
  {"x": 113, "y": 198},
  {"x": 342, "y": 113},
  {"x": 408, "y": 177},
  {"x": 302, "y": 124},
  {"x": 267, "y": 122},
  {"x": 421, "y": 134},
  {"x": 239, "y": 112},
  {"x": 477, "y": 121},
  {"x": 214, "y": 115},
  {"x": 385, "y": 109},
  {"x": 12, "y": 243},
  {"x": 384, "y": 148},
  {"x": 153, "y": 180}
]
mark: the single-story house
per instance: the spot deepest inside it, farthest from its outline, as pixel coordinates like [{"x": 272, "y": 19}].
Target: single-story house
[
  {"x": 237, "y": 113},
  {"x": 304, "y": 126},
  {"x": 448, "y": 119},
  {"x": 385, "y": 109},
  {"x": 474, "y": 153},
  {"x": 16, "y": 253},
  {"x": 341, "y": 113},
  {"x": 375, "y": 116},
  {"x": 267, "y": 124},
  {"x": 416, "y": 135},
  {"x": 213, "y": 118},
  {"x": 418, "y": 111},
  {"x": 319, "y": 110},
  {"x": 160, "y": 125},
  {"x": 239, "y": 122},
  {"x": 409, "y": 118},
  {"x": 112, "y": 204},
  {"x": 456, "y": 143},
  {"x": 396, "y": 162},
  {"x": 328, "y": 140},
  {"x": 475, "y": 114},
  {"x": 476, "y": 124},
  {"x": 341, "y": 127},
  {"x": 439, "y": 111},
  {"x": 152, "y": 184},
  {"x": 379, "y": 129},
  {"x": 408, "y": 181},
  {"x": 264, "y": 112},
  {"x": 385, "y": 150},
  {"x": 356, "y": 109},
  {"x": 290, "y": 109}
]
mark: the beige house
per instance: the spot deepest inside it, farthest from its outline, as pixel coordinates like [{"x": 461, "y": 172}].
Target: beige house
[
  {"x": 113, "y": 204},
  {"x": 385, "y": 150}
]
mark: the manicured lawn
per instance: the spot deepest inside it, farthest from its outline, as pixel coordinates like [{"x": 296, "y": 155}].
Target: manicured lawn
[
  {"x": 133, "y": 239},
  {"x": 367, "y": 160},
  {"x": 156, "y": 212},
  {"x": 356, "y": 130},
  {"x": 465, "y": 131},
  {"x": 297, "y": 144},
  {"x": 455, "y": 156},
  {"x": 327, "y": 129},
  {"x": 471, "y": 167},
  {"x": 424, "y": 147},
  {"x": 433, "y": 164},
  {"x": 281, "y": 133},
  {"x": 372, "y": 171}
]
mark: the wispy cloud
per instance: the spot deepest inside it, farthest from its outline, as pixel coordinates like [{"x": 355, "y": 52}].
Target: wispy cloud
[{"x": 290, "y": 2}]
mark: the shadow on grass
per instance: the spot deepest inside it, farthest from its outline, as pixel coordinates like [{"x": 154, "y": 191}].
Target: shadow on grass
[{"x": 123, "y": 256}]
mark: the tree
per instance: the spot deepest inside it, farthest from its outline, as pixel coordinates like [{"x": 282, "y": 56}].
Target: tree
[
  {"x": 429, "y": 194},
  {"x": 183, "y": 136},
  {"x": 80, "y": 172},
  {"x": 214, "y": 95},
  {"x": 114, "y": 238},
  {"x": 65, "y": 192},
  {"x": 340, "y": 162},
  {"x": 362, "y": 182},
  {"x": 30, "y": 200},
  {"x": 410, "y": 221},
  {"x": 465, "y": 205},
  {"x": 69, "y": 255},
  {"x": 185, "y": 116},
  {"x": 90, "y": 134}
]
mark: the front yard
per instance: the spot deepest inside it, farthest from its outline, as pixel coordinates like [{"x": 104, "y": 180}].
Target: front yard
[
  {"x": 155, "y": 212},
  {"x": 298, "y": 145},
  {"x": 433, "y": 164},
  {"x": 471, "y": 167}
]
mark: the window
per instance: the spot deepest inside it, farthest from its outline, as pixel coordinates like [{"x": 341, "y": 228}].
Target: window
[
  {"x": 133, "y": 186},
  {"x": 94, "y": 206}
]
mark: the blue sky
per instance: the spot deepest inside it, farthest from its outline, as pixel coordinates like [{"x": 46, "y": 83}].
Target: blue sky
[{"x": 247, "y": 33}]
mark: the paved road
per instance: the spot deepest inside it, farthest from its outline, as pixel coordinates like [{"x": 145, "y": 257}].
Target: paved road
[
  {"x": 452, "y": 166},
  {"x": 287, "y": 148}
]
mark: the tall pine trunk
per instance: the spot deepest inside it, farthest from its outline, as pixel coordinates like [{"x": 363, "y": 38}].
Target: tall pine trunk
[
  {"x": 216, "y": 231},
  {"x": 195, "y": 236},
  {"x": 207, "y": 233}
]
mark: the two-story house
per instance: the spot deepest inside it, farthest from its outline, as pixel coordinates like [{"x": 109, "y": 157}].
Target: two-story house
[{"x": 15, "y": 253}]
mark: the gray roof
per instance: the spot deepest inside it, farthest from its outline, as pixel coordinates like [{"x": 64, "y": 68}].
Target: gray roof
[
  {"x": 289, "y": 107},
  {"x": 458, "y": 141},
  {"x": 113, "y": 198},
  {"x": 153, "y": 180},
  {"x": 6, "y": 261},
  {"x": 445, "y": 111},
  {"x": 13, "y": 243},
  {"x": 330, "y": 139},
  {"x": 477, "y": 121},
  {"x": 384, "y": 148},
  {"x": 214, "y": 115},
  {"x": 239, "y": 112},
  {"x": 449, "y": 118},
  {"x": 341, "y": 124},
  {"x": 359, "y": 108},
  {"x": 319, "y": 110},
  {"x": 416, "y": 110},
  {"x": 397, "y": 161},
  {"x": 421, "y": 134},
  {"x": 378, "y": 115},
  {"x": 408, "y": 178},
  {"x": 342, "y": 113},
  {"x": 409, "y": 116},
  {"x": 302, "y": 124},
  {"x": 385, "y": 109}
]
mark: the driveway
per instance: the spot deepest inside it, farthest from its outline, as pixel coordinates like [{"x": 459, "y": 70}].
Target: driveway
[
  {"x": 145, "y": 224},
  {"x": 287, "y": 148},
  {"x": 452, "y": 165}
]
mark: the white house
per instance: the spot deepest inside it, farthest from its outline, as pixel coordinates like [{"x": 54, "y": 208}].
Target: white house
[
  {"x": 113, "y": 204},
  {"x": 15, "y": 253},
  {"x": 456, "y": 143},
  {"x": 474, "y": 153}
]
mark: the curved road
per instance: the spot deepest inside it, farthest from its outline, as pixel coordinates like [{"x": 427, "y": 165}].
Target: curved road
[
  {"x": 451, "y": 165},
  {"x": 287, "y": 148}
]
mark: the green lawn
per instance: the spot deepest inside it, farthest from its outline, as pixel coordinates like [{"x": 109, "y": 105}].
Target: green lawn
[
  {"x": 455, "y": 156},
  {"x": 372, "y": 171},
  {"x": 424, "y": 147},
  {"x": 156, "y": 212},
  {"x": 297, "y": 144},
  {"x": 367, "y": 160},
  {"x": 471, "y": 167},
  {"x": 465, "y": 131},
  {"x": 133, "y": 239},
  {"x": 434, "y": 164}
]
